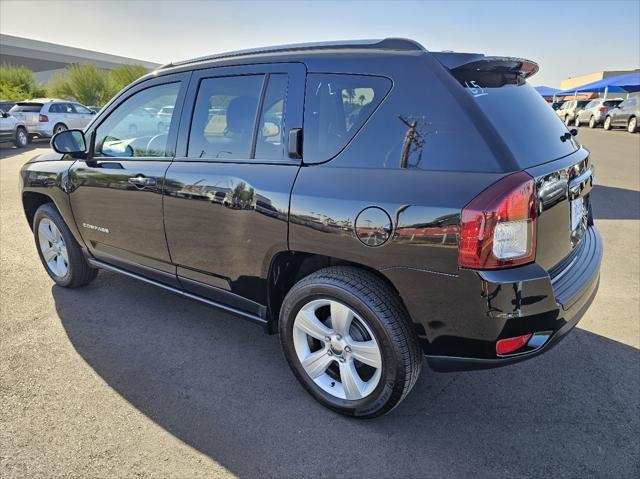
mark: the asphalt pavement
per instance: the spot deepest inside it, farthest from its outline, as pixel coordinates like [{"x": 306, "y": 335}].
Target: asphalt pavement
[{"x": 120, "y": 379}]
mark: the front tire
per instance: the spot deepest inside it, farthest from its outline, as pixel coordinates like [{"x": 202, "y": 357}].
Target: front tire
[
  {"x": 22, "y": 138},
  {"x": 632, "y": 127},
  {"x": 59, "y": 252},
  {"x": 349, "y": 341},
  {"x": 607, "y": 123}
]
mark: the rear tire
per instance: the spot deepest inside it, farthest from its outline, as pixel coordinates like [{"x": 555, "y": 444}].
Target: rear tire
[
  {"x": 632, "y": 127},
  {"x": 22, "y": 138},
  {"x": 576, "y": 121},
  {"x": 567, "y": 121},
  {"x": 59, "y": 252},
  {"x": 592, "y": 122},
  {"x": 330, "y": 350},
  {"x": 607, "y": 123},
  {"x": 59, "y": 127}
]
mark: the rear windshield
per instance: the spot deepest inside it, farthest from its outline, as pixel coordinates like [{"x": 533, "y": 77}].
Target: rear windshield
[
  {"x": 612, "y": 102},
  {"x": 27, "y": 107},
  {"x": 521, "y": 116}
]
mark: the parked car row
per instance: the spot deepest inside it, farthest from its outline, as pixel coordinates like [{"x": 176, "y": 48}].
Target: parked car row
[{"x": 610, "y": 113}]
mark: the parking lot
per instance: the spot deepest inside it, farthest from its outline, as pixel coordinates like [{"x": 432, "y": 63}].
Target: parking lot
[{"x": 120, "y": 379}]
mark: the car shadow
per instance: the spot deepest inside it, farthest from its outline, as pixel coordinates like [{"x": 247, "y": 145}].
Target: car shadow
[
  {"x": 611, "y": 203},
  {"x": 223, "y": 387},
  {"x": 8, "y": 149}
]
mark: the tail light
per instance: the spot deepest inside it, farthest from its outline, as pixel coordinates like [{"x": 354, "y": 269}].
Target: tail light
[
  {"x": 498, "y": 227},
  {"x": 43, "y": 118},
  {"x": 602, "y": 109}
]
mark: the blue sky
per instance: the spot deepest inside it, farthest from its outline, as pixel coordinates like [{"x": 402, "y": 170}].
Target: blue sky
[{"x": 567, "y": 38}]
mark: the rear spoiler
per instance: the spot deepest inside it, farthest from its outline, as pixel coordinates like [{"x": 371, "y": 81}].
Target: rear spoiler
[{"x": 466, "y": 63}]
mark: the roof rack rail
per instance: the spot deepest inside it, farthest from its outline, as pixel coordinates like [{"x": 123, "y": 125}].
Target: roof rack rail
[{"x": 402, "y": 44}]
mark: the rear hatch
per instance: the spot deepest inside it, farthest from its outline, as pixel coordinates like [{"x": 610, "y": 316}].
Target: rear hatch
[
  {"x": 28, "y": 112},
  {"x": 540, "y": 144}
]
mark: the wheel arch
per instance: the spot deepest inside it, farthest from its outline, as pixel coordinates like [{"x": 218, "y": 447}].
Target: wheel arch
[
  {"x": 289, "y": 267},
  {"x": 31, "y": 201}
]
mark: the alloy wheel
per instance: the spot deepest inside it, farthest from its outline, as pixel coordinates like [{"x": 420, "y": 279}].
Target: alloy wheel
[
  {"x": 60, "y": 128},
  {"x": 53, "y": 248},
  {"x": 337, "y": 349},
  {"x": 22, "y": 137}
]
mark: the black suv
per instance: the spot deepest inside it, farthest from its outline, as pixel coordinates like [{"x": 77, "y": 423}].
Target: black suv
[{"x": 371, "y": 202}]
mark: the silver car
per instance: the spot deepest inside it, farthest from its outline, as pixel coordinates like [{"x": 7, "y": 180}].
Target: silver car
[
  {"x": 596, "y": 111},
  {"x": 12, "y": 129},
  {"x": 45, "y": 117}
]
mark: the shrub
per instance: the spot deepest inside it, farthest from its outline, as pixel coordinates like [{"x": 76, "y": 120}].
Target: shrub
[{"x": 18, "y": 83}]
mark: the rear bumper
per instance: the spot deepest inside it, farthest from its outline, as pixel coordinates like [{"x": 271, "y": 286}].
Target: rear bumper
[
  {"x": 460, "y": 318},
  {"x": 42, "y": 131},
  {"x": 574, "y": 285}
]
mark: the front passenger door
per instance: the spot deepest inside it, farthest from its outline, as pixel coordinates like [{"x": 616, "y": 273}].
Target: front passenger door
[{"x": 116, "y": 195}]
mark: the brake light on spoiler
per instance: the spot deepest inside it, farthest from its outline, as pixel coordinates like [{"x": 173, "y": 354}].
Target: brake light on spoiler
[{"x": 498, "y": 227}]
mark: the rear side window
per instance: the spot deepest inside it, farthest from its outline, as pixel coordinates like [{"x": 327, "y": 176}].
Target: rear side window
[
  {"x": 336, "y": 107},
  {"x": 270, "y": 137},
  {"x": 224, "y": 117}
]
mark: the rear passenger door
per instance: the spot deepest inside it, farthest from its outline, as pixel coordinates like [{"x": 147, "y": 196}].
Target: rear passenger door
[{"x": 227, "y": 192}]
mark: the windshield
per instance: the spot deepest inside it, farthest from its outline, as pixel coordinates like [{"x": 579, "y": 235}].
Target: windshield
[{"x": 29, "y": 107}]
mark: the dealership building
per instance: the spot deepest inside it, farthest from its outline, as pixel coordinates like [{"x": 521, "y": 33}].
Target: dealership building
[{"x": 46, "y": 59}]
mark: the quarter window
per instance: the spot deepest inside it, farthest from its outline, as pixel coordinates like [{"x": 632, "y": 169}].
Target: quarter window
[
  {"x": 224, "y": 117},
  {"x": 336, "y": 107},
  {"x": 133, "y": 130}
]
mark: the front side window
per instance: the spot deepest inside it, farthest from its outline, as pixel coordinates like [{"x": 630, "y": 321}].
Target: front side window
[
  {"x": 336, "y": 107},
  {"x": 224, "y": 117},
  {"x": 133, "y": 130}
]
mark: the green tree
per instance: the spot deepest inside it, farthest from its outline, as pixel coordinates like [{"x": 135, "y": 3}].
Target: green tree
[
  {"x": 91, "y": 85},
  {"x": 18, "y": 83},
  {"x": 120, "y": 77},
  {"x": 84, "y": 83}
]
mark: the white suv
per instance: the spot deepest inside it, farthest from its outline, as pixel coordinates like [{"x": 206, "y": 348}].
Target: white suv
[{"x": 45, "y": 117}]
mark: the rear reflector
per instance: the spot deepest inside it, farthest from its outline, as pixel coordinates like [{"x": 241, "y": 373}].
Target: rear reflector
[
  {"x": 510, "y": 345},
  {"x": 43, "y": 118},
  {"x": 602, "y": 109}
]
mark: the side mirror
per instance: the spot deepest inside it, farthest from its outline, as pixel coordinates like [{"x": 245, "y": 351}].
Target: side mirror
[
  {"x": 5, "y": 114},
  {"x": 70, "y": 142}
]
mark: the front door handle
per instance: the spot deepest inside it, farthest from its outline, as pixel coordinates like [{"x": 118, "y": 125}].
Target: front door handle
[{"x": 141, "y": 180}]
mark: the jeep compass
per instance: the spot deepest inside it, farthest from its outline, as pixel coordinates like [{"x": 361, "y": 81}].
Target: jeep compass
[{"x": 371, "y": 202}]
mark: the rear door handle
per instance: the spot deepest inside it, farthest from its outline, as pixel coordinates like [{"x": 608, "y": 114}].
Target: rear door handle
[{"x": 141, "y": 180}]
